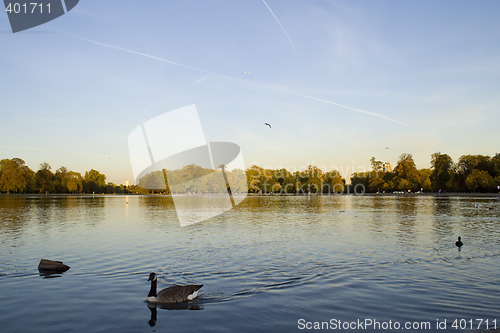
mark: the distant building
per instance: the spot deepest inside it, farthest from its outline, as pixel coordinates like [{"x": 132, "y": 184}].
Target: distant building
[{"x": 387, "y": 167}]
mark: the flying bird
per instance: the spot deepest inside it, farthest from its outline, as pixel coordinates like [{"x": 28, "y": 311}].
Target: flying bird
[{"x": 267, "y": 124}]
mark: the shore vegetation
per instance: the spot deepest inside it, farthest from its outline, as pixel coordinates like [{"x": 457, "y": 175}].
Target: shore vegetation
[{"x": 470, "y": 174}]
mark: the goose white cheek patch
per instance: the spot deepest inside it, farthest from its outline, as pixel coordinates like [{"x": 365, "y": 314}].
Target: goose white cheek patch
[{"x": 170, "y": 153}]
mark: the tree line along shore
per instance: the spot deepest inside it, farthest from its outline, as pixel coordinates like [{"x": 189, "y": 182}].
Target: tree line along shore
[{"x": 470, "y": 174}]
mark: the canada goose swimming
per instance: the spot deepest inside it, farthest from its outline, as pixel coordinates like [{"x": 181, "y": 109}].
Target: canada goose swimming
[
  {"x": 459, "y": 243},
  {"x": 174, "y": 294}
]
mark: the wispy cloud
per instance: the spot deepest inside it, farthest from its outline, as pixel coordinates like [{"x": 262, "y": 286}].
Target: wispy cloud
[
  {"x": 123, "y": 49},
  {"x": 353, "y": 109},
  {"x": 279, "y": 23}
]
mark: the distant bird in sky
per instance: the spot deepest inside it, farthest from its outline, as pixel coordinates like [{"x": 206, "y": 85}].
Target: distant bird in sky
[
  {"x": 267, "y": 124},
  {"x": 386, "y": 147},
  {"x": 246, "y": 72}
]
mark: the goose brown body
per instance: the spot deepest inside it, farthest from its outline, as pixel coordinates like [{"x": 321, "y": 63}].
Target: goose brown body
[{"x": 177, "y": 294}]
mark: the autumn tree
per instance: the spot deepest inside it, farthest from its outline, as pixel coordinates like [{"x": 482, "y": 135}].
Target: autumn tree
[
  {"x": 361, "y": 181},
  {"x": 441, "y": 166},
  {"x": 284, "y": 181},
  {"x": 94, "y": 181},
  {"x": 468, "y": 163},
  {"x": 257, "y": 177},
  {"x": 377, "y": 166},
  {"x": 45, "y": 179},
  {"x": 61, "y": 179},
  {"x": 312, "y": 179},
  {"x": 495, "y": 161},
  {"x": 153, "y": 181},
  {"x": 14, "y": 175},
  {"x": 334, "y": 183},
  {"x": 406, "y": 174},
  {"x": 238, "y": 180},
  {"x": 495, "y": 165},
  {"x": 480, "y": 179},
  {"x": 425, "y": 179},
  {"x": 389, "y": 184},
  {"x": 74, "y": 183},
  {"x": 376, "y": 182}
]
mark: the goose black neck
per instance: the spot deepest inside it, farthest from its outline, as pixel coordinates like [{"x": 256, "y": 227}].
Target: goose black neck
[{"x": 152, "y": 291}]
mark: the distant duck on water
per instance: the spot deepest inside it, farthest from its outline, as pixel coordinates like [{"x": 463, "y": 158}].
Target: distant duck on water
[
  {"x": 174, "y": 294},
  {"x": 459, "y": 243}
]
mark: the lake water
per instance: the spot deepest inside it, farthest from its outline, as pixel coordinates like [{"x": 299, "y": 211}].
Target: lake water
[{"x": 273, "y": 264}]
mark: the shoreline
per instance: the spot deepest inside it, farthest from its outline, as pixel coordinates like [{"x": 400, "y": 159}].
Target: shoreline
[{"x": 429, "y": 194}]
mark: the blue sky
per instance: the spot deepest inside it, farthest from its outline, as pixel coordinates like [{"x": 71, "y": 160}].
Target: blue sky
[{"x": 338, "y": 80}]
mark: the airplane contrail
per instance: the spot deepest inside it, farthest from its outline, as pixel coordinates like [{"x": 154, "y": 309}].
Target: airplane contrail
[
  {"x": 353, "y": 109},
  {"x": 123, "y": 49},
  {"x": 281, "y": 26},
  {"x": 207, "y": 72}
]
